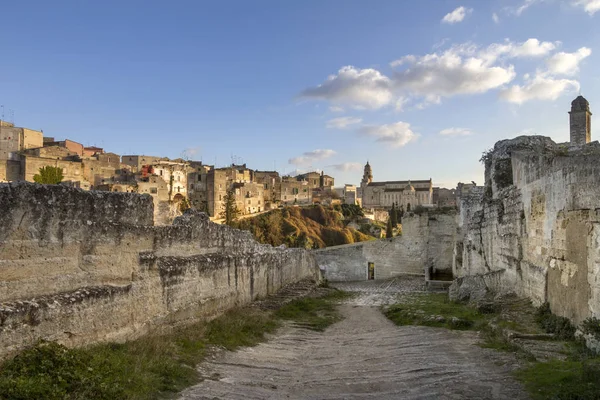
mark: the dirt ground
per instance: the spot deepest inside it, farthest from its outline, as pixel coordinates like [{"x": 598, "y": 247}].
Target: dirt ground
[{"x": 364, "y": 356}]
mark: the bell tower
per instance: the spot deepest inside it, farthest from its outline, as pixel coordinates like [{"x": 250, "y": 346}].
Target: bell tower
[
  {"x": 580, "y": 121},
  {"x": 367, "y": 176}
]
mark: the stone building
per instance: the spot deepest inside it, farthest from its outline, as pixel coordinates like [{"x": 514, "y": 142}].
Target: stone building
[
  {"x": 580, "y": 121},
  {"x": 137, "y": 161},
  {"x": 249, "y": 197},
  {"x": 14, "y": 140},
  {"x": 408, "y": 194},
  {"x": 31, "y": 160},
  {"x": 295, "y": 191},
  {"x": 271, "y": 182},
  {"x": 348, "y": 194},
  {"x": 443, "y": 197},
  {"x": 102, "y": 168},
  {"x": 317, "y": 180},
  {"x": 70, "y": 145}
]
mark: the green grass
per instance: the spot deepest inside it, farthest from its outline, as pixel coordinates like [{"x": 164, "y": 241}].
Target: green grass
[
  {"x": 315, "y": 313},
  {"x": 155, "y": 366},
  {"x": 434, "y": 309},
  {"x": 562, "y": 380},
  {"x": 576, "y": 378}
]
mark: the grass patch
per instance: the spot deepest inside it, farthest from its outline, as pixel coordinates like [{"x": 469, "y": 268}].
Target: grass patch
[
  {"x": 435, "y": 309},
  {"x": 562, "y": 380},
  {"x": 559, "y": 326},
  {"x": 315, "y": 313},
  {"x": 155, "y": 366}
]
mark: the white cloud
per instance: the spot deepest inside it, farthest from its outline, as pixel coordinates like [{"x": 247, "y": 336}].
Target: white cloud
[
  {"x": 457, "y": 15},
  {"x": 311, "y": 156},
  {"x": 495, "y": 18},
  {"x": 366, "y": 88},
  {"x": 567, "y": 63},
  {"x": 336, "y": 109},
  {"x": 397, "y": 134},
  {"x": 346, "y": 167},
  {"x": 400, "y": 103},
  {"x": 541, "y": 87},
  {"x": 530, "y": 48},
  {"x": 521, "y": 8},
  {"x": 462, "y": 69},
  {"x": 456, "y": 132},
  {"x": 190, "y": 153},
  {"x": 450, "y": 73},
  {"x": 342, "y": 122},
  {"x": 589, "y": 6}
]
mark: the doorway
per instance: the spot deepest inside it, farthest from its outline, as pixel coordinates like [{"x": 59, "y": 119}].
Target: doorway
[{"x": 371, "y": 271}]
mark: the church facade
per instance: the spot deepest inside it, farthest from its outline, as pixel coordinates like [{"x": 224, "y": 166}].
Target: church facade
[{"x": 407, "y": 194}]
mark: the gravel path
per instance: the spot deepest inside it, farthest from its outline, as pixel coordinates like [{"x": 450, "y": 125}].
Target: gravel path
[{"x": 364, "y": 356}]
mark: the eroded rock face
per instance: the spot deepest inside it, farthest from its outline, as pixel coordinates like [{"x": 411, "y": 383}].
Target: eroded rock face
[
  {"x": 81, "y": 267},
  {"x": 534, "y": 231}
]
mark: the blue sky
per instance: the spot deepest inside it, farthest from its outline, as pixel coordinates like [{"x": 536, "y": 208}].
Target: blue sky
[{"x": 419, "y": 88}]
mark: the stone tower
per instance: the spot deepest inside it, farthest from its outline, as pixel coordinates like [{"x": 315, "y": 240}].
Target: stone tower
[
  {"x": 580, "y": 119},
  {"x": 367, "y": 176}
]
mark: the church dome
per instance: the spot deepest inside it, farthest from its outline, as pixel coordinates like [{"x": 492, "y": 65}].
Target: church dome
[{"x": 580, "y": 104}]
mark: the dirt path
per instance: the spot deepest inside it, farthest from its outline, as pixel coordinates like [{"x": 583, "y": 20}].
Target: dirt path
[{"x": 362, "y": 357}]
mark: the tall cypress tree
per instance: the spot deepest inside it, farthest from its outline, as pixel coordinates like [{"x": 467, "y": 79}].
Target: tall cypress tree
[
  {"x": 389, "y": 232},
  {"x": 394, "y": 216},
  {"x": 231, "y": 211}
]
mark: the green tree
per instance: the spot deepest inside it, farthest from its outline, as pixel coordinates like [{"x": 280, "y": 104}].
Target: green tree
[
  {"x": 389, "y": 232},
  {"x": 231, "y": 211},
  {"x": 49, "y": 175},
  {"x": 394, "y": 216}
]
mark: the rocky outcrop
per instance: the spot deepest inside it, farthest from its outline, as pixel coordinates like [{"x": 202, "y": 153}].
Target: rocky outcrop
[{"x": 535, "y": 230}]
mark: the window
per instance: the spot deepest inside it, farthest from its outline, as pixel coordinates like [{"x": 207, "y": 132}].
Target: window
[
  {"x": 161, "y": 172},
  {"x": 153, "y": 190},
  {"x": 219, "y": 197},
  {"x": 248, "y": 201},
  {"x": 178, "y": 189}
]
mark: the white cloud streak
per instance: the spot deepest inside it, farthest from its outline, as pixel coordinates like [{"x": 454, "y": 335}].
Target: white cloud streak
[
  {"x": 540, "y": 87},
  {"x": 567, "y": 63},
  {"x": 346, "y": 167},
  {"x": 362, "y": 88},
  {"x": 311, "y": 156},
  {"x": 397, "y": 134},
  {"x": 589, "y": 6},
  {"x": 456, "y": 132},
  {"x": 457, "y": 15},
  {"x": 342, "y": 122}
]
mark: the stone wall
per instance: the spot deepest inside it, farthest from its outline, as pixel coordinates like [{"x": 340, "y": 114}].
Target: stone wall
[
  {"x": 81, "y": 267},
  {"x": 426, "y": 245},
  {"x": 535, "y": 230}
]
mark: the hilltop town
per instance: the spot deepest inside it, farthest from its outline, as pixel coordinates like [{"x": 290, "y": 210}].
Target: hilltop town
[{"x": 178, "y": 184}]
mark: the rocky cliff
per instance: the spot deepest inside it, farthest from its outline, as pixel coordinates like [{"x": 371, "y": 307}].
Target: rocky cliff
[{"x": 80, "y": 267}]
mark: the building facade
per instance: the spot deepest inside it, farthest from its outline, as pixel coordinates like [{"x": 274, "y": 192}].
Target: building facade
[{"x": 407, "y": 194}]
